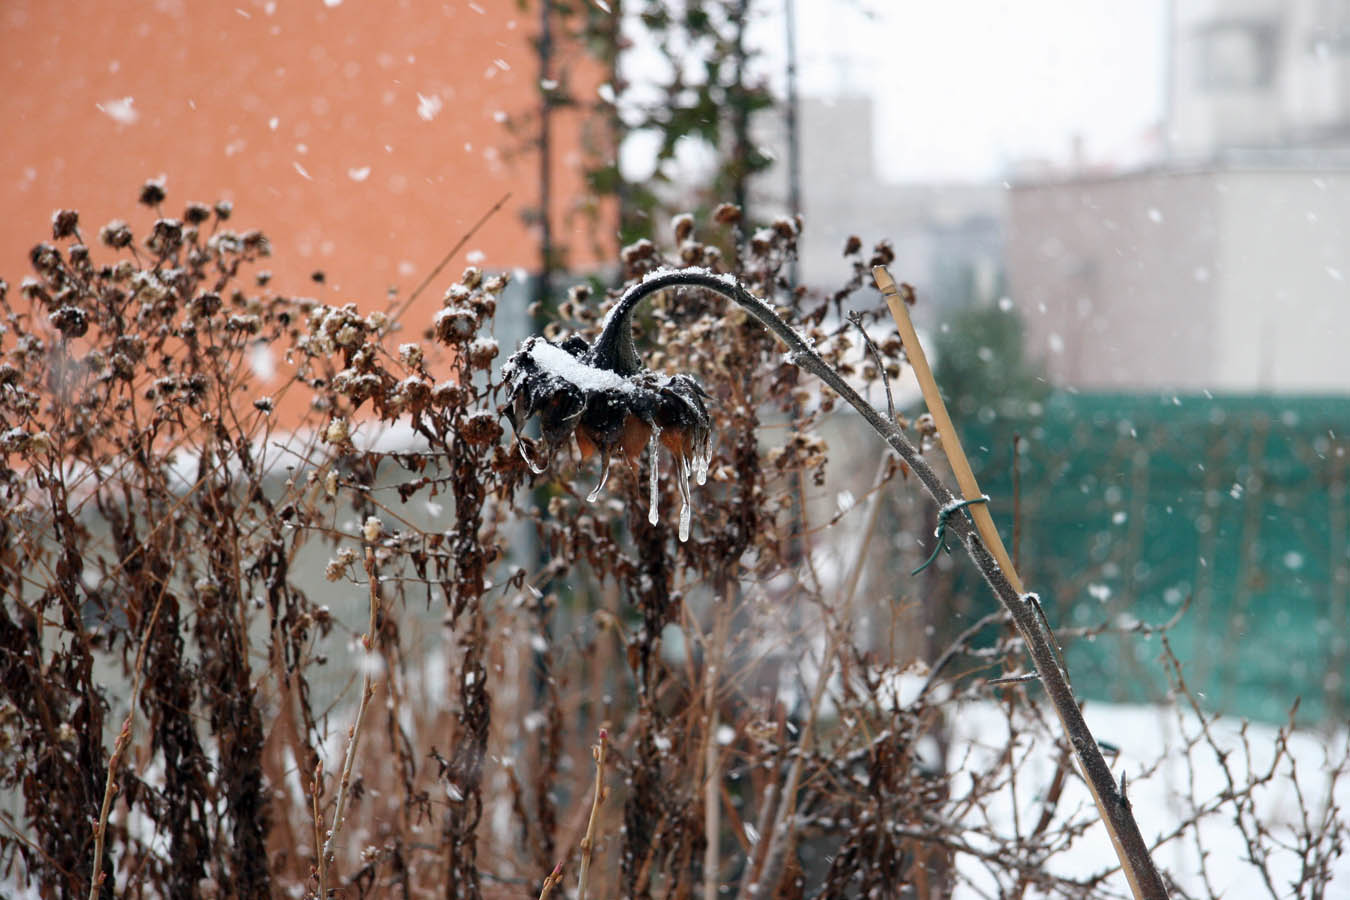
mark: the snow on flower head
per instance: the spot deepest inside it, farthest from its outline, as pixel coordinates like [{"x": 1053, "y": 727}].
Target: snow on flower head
[{"x": 601, "y": 396}]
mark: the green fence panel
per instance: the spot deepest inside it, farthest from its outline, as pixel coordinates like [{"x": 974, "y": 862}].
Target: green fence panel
[{"x": 1129, "y": 506}]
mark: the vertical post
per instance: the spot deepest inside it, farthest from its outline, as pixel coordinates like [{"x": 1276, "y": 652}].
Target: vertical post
[
  {"x": 544, "y": 284},
  {"x": 740, "y": 112},
  {"x": 794, "y": 148}
]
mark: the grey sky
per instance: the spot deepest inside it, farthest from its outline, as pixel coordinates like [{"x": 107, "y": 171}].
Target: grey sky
[{"x": 965, "y": 87}]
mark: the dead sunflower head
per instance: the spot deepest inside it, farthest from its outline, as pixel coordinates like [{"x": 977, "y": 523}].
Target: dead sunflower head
[{"x": 601, "y": 395}]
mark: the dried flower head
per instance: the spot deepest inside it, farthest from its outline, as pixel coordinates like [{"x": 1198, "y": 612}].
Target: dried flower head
[
  {"x": 115, "y": 234},
  {"x": 64, "y": 223},
  {"x": 152, "y": 192},
  {"x": 196, "y": 213},
  {"x": 727, "y": 214},
  {"x": 682, "y": 226},
  {"x": 372, "y": 529},
  {"x": 601, "y": 396}
]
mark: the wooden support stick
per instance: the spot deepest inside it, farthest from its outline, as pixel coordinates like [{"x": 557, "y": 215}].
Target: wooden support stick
[{"x": 951, "y": 444}]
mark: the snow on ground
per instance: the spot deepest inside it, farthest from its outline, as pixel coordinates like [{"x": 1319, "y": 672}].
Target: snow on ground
[{"x": 1164, "y": 795}]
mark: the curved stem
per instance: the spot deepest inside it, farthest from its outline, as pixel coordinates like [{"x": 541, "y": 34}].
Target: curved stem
[{"x": 614, "y": 350}]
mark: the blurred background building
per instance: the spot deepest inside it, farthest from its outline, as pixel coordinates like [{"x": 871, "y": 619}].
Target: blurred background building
[
  {"x": 1221, "y": 265},
  {"x": 364, "y": 139}
]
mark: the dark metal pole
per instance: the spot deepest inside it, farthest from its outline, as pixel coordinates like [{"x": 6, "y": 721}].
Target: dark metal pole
[
  {"x": 794, "y": 146},
  {"x": 740, "y": 114},
  {"x": 544, "y": 284}
]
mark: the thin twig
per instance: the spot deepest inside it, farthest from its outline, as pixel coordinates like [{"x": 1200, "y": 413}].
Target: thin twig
[
  {"x": 354, "y": 734},
  {"x": 869, "y": 529},
  {"x": 551, "y": 881},
  {"x": 119, "y": 748},
  {"x": 1012, "y": 679},
  {"x": 856, "y": 319},
  {"x": 459, "y": 245},
  {"x": 783, "y": 831},
  {"x": 712, "y": 773},
  {"x": 588, "y": 842}
]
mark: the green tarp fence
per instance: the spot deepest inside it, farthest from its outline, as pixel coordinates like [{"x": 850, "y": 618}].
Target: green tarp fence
[{"x": 1130, "y": 505}]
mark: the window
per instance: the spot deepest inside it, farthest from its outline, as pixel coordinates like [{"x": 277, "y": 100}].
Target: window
[{"x": 1236, "y": 55}]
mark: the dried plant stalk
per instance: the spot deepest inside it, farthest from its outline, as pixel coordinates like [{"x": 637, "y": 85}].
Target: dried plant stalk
[
  {"x": 119, "y": 748},
  {"x": 551, "y": 881},
  {"x": 588, "y": 842},
  {"x": 354, "y": 734}
]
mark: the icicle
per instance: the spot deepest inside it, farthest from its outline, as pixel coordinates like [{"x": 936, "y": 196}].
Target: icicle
[
  {"x": 686, "y": 513},
  {"x": 702, "y": 456},
  {"x": 654, "y": 448},
  {"x": 576, "y": 449},
  {"x": 538, "y": 470},
  {"x": 604, "y": 476}
]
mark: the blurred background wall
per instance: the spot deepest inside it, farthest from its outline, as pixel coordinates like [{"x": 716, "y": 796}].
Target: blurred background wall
[{"x": 363, "y": 138}]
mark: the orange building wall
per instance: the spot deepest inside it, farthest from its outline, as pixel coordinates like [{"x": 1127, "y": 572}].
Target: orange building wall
[{"x": 364, "y": 138}]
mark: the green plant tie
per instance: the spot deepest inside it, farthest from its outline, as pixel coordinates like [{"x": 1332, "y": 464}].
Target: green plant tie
[{"x": 940, "y": 532}]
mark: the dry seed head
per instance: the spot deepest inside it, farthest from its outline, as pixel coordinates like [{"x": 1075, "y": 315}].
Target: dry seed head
[
  {"x": 64, "y": 223},
  {"x": 115, "y": 234},
  {"x": 447, "y": 394},
  {"x": 883, "y": 254},
  {"x": 71, "y": 321},
  {"x": 455, "y": 325},
  {"x": 338, "y": 432},
  {"x": 372, "y": 528},
  {"x": 46, "y": 259},
  {"x": 727, "y": 214},
  {"x": 152, "y": 192},
  {"x": 638, "y": 252},
  {"x": 410, "y": 355},
  {"x": 481, "y": 428},
  {"x": 682, "y": 226},
  {"x": 196, "y": 213},
  {"x": 482, "y": 351},
  {"x": 414, "y": 393}
]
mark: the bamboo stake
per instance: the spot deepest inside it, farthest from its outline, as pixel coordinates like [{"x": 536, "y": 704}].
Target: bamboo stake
[{"x": 951, "y": 444}]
